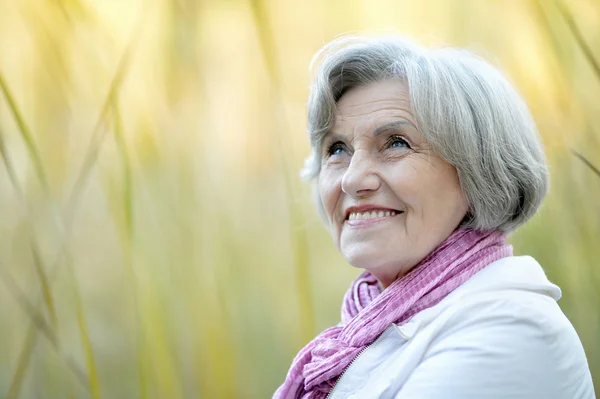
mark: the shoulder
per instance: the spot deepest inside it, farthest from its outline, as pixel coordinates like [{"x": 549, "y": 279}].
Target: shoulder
[
  {"x": 511, "y": 289},
  {"x": 510, "y": 309},
  {"x": 509, "y": 326},
  {"x": 507, "y": 332}
]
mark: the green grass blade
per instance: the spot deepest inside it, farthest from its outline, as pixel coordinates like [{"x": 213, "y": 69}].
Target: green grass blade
[
  {"x": 298, "y": 237},
  {"x": 29, "y": 343},
  {"x": 98, "y": 134},
  {"x": 546, "y": 23},
  {"x": 10, "y": 170},
  {"x": 45, "y": 284},
  {"x": 38, "y": 323},
  {"x": 587, "y": 51},
  {"x": 39, "y": 267},
  {"x": 142, "y": 358},
  {"x": 26, "y": 134},
  {"x": 94, "y": 382},
  {"x": 587, "y": 163},
  {"x": 127, "y": 183},
  {"x": 28, "y": 307},
  {"x": 142, "y": 363},
  {"x": 23, "y": 363}
]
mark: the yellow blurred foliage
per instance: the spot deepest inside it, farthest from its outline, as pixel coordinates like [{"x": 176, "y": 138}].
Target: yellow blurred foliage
[{"x": 156, "y": 241}]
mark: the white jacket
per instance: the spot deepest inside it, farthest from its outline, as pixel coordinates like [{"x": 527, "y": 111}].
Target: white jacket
[{"x": 499, "y": 335}]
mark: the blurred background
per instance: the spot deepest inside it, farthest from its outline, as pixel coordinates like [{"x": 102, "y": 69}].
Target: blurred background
[{"x": 156, "y": 240}]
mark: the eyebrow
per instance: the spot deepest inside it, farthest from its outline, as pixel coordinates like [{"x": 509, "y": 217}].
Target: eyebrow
[
  {"x": 379, "y": 130},
  {"x": 391, "y": 126}
]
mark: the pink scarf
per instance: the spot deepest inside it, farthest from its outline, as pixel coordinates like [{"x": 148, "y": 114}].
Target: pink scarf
[{"x": 367, "y": 311}]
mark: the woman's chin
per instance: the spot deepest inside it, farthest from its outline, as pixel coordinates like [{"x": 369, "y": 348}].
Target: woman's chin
[{"x": 375, "y": 264}]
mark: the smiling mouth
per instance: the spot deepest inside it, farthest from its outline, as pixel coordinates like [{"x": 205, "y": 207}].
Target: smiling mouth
[{"x": 370, "y": 215}]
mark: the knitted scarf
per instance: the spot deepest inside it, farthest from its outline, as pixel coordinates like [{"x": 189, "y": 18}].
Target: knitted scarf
[{"x": 367, "y": 311}]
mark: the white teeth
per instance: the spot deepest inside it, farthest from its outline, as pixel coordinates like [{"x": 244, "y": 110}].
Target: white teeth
[{"x": 371, "y": 215}]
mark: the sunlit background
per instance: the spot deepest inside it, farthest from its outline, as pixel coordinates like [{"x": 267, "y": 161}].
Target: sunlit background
[{"x": 156, "y": 240}]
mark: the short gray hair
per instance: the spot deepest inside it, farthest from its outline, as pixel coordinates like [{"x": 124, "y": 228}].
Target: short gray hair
[{"x": 466, "y": 109}]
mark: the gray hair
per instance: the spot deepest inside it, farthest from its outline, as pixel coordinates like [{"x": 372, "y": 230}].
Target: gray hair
[{"x": 467, "y": 110}]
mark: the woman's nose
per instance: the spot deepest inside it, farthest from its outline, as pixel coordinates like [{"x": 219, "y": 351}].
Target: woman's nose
[{"x": 360, "y": 178}]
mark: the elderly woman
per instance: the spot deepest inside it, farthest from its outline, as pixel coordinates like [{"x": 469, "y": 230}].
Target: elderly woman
[{"x": 423, "y": 161}]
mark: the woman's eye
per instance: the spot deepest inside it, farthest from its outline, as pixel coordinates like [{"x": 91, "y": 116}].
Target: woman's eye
[
  {"x": 397, "y": 142},
  {"x": 336, "y": 148}
]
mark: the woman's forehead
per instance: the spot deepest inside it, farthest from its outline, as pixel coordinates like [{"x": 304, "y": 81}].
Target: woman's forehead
[
  {"x": 384, "y": 93},
  {"x": 374, "y": 104}
]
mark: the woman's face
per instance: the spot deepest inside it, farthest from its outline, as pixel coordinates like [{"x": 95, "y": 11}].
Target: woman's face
[{"x": 388, "y": 198}]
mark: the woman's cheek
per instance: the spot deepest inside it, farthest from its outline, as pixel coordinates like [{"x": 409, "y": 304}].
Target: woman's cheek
[{"x": 329, "y": 192}]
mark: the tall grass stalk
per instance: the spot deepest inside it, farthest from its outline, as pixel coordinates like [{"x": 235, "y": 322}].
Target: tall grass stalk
[
  {"x": 23, "y": 363},
  {"x": 297, "y": 219},
  {"x": 28, "y": 307},
  {"x": 587, "y": 163},
  {"x": 26, "y": 134},
  {"x": 99, "y": 130},
  {"x": 38, "y": 323},
  {"x": 94, "y": 382},
  {"x": 127, "y": 246},
  {"x": 97, "y": 139},
  {"x": 39, "y": 267},
  {"x": 578, "y": 36},
  {"x": 12, "y": 173}
]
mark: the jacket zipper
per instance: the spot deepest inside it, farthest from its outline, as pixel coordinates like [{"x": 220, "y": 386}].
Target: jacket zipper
[
  {"x": 346, "y": 369},
  {"x": 350, "y": 364}
]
